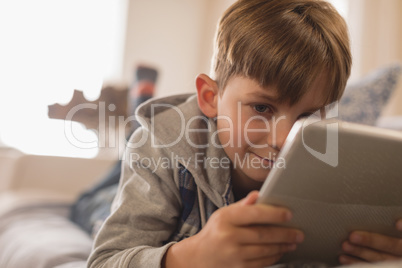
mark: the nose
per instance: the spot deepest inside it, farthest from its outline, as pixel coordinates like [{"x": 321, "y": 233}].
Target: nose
[{"x": 280, "y": 129}]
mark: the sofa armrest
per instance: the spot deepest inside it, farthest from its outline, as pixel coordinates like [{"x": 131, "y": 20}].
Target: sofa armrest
[
  {"x": 8, "y": 160},
  {"x": 57, "y": 175}
]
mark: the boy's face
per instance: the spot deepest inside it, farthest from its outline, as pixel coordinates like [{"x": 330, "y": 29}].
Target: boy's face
[{"x": 252, "y": 126}]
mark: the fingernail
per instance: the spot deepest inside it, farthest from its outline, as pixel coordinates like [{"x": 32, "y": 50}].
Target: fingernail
[
  {"x": 292, "y": 247},
  {"x": 356, "y": 238}
]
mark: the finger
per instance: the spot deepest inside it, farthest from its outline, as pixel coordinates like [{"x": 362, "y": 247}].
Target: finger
[
  {"x": 241, "y": 215},
  {"x": 398, "y": 225},
  {"x": 366, "y": 254},
  {"x": 250, "y": 199},
  {"x": 344, "y": 259},
  {"x": 263, "y": 251},
  {"x": 267, "y": 234},
  {"x": 263, "y": 262},
  {"x": 390, "y": 245}
]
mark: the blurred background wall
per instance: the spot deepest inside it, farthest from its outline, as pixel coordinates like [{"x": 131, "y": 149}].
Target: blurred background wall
[
  {"x": 176, "y": 36},
  {"x": 376, "y": 33}
]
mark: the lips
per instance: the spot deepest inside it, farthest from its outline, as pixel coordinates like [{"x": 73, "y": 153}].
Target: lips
[{"x": 266, "y": 160}]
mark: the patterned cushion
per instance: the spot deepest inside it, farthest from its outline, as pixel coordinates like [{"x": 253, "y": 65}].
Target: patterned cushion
[{"x": 363, "y": 102}]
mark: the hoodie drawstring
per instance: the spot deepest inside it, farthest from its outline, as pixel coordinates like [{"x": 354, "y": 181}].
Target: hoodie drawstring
[{"x": 202, "y": 207}]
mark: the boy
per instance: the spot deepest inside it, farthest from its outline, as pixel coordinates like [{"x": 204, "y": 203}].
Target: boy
[{"x": 187, "y": 194}]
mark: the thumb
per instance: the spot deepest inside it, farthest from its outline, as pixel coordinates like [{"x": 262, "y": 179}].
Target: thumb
[{"x": 250, "y": 199}]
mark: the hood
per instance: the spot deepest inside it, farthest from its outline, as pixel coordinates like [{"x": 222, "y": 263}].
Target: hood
[{"x": 176, "y": 124}]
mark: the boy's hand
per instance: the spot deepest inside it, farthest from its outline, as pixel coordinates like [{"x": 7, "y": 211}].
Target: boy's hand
[
  {"x": 240, "y": 236},
  {"x": 371, "y": 247}
]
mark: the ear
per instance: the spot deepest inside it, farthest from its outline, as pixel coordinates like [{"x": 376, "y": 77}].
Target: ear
[{"x": 207, "y": 95}]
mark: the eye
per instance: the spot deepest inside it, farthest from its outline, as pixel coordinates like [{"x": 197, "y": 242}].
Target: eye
[{"x": 261, "y": 108}]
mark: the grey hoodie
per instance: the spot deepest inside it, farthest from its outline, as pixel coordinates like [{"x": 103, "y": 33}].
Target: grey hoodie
[{"x": 174, "y": 176}]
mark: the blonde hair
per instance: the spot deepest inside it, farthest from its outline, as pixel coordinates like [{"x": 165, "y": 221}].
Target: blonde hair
[{"x": 283, "y": 43}]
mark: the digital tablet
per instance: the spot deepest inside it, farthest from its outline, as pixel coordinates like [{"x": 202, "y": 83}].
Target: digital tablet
[{"x": 336, "y": 177}]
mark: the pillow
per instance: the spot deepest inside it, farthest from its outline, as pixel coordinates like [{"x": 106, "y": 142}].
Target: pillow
[{"x": 363, "y": 101}]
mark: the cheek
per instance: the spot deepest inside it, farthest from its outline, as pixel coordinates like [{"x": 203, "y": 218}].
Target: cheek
[
  {"x": 255, "y": 130},
  {"x": 225, "y": 131},
  {"x": 228, "y": 127},
  {"x": 242, "y": 132}
]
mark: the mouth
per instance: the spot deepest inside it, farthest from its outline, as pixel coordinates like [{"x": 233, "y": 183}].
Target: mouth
[{"x": 267, "y": 161}]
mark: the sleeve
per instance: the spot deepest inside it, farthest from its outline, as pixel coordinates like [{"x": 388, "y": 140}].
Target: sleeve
[{"x": 144, "y": 214}]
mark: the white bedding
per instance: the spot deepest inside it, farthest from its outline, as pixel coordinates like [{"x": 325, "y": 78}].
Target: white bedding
[{"x": 41, "y": 236}]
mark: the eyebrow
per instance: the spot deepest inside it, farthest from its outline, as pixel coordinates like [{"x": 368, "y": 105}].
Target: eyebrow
[{"x": 264, "y": 96}]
